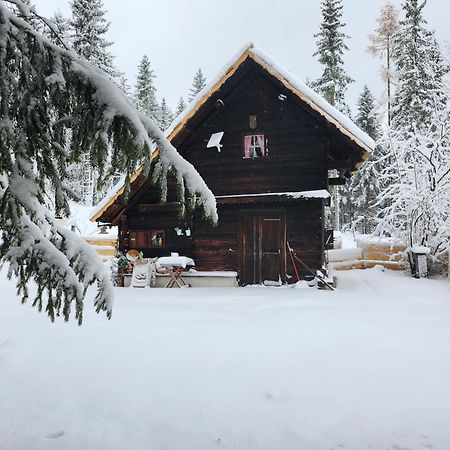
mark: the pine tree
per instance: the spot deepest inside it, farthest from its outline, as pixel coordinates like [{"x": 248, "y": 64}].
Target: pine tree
[
  {"x": 364, "y": 187},
  {"x": 198, "y": 84},
  {"x": 145, "y": 91},
  {"x": 365, "y": 117},
  {"x": 382, "y": 44},
  {"x": 165, "y": 115},
  {"x": 420, "y": 71},
  {"x": 55, "y": 107},
  {"x": 181, "y": 106},
  {"x": 332, "y": 85},
  {"x": 90, "y": 26}
]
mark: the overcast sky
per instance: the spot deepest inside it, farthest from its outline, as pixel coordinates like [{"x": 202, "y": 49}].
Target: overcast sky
[{"x": 181, "y": 35}]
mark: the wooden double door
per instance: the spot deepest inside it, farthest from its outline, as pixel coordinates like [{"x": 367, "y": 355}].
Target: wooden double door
[{"x": 262, "y": 247}]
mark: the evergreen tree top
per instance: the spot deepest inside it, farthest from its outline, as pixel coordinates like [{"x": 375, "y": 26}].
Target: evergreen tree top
[
  {"x": 165, "y": 115},
  {"x": 198, "y": 84},
  {"x": 331, "y": 46},
  {"x": 420, "y": 70},
  {"x": 145, "y": 91},
  {"x": 366, "y": 118},
  {"x": 90, "y": 26},
  {"x": 181, "y": 106}
]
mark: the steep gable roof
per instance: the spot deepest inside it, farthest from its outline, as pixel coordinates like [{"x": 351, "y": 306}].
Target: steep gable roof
[{"x": 290, "y": 81}]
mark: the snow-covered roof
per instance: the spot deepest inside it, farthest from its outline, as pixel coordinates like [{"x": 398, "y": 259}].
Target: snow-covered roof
[{"x": 290, "y": 81}]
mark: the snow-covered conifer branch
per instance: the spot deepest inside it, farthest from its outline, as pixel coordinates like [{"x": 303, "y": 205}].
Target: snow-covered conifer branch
[{"x": 54, "y": 108}]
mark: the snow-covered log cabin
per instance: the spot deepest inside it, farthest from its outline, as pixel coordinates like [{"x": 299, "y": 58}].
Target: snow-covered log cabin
[{"x": 265, "y": 144}]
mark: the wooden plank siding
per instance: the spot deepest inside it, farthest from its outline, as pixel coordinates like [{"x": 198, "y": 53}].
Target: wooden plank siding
[{"x": 297, "y": 145}]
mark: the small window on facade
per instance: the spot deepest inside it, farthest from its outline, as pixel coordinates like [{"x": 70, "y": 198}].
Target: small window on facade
[
  {"x": 252, "y": 122},
  {"x": 254, "y": 146},
  {"x": 157, "y": 238}
]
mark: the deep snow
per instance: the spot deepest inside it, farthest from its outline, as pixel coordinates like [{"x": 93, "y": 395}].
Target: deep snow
[{"x": 365, "y": 367}]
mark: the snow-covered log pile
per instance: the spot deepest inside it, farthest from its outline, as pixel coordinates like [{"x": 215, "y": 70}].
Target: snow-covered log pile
[
  {"x": 55, "y": 107},
  {"x": 369, "y": 253}
]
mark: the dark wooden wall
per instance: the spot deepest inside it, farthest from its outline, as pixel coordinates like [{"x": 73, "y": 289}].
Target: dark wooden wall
[
  {"x": 297, "y": 142},
  {"x": 217, "y": 248}
]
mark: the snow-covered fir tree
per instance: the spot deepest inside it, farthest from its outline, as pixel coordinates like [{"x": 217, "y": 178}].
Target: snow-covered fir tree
[
  {"x": 198, "y": 83},
  {"x": 382, "y": 45},
  {"x": 55, "y": 107},
  {"x": 417, "y": 195},
  {"x": 420, "y": 70},
  {"x": 89, "y": 28},
  {"x": 333, "y": 82},
  {"x": 362, "y": 191},
  {"x": 165, "y": 116},
  {"x": 145, "y": 91},
  {"x": 181, "y": 106}
]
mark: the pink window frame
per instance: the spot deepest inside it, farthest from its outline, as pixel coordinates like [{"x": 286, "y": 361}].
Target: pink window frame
[{"x": 249, "y": 143}]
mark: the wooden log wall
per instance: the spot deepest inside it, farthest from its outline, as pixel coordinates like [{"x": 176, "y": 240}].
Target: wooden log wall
[{"x": 297, "y": 143}]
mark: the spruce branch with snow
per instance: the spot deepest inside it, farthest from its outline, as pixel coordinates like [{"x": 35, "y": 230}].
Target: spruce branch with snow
[{"x": 54, "y": 107}]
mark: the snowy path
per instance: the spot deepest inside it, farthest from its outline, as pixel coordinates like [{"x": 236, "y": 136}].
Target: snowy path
[{"x": 365, "y": 367}]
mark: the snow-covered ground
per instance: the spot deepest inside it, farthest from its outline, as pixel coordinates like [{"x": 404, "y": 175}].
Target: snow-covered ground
[{"x": 365, "y": 367}]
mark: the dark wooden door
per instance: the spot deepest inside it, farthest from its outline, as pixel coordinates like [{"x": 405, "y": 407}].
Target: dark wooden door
[{"x": 262, "y": 247}]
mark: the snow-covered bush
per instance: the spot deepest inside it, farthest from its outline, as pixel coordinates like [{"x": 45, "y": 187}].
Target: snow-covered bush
[{"x": 416, "y": 197}]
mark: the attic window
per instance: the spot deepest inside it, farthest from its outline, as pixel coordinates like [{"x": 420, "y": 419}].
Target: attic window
[{"x": 254, "y": 146}]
